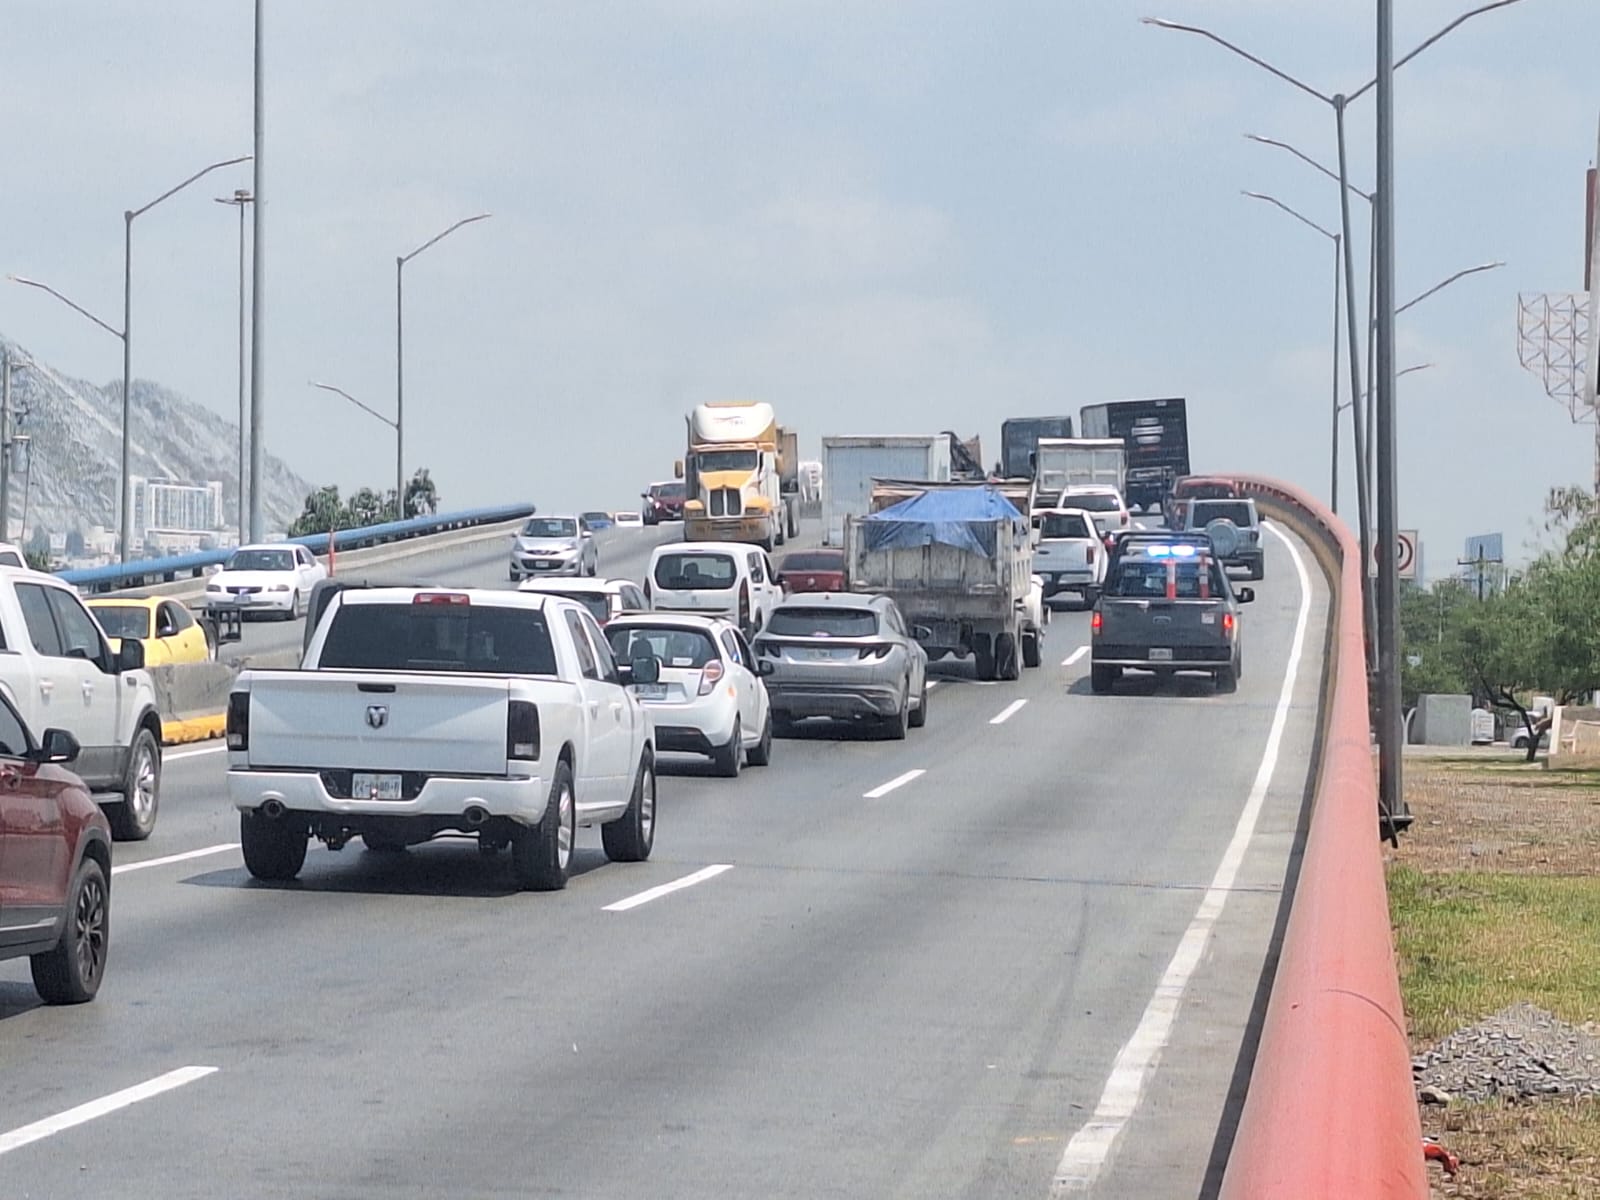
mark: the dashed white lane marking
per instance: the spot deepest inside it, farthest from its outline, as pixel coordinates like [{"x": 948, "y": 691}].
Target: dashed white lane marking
[
  {"x": 899, "y": 781},
  {"x": 221, "y": 848},
  {"x": 180, "y": 755},
  {"x": 84, "y": 1113},
  {"x": 1009, "y": 711},
  {"x": 1074, "y": 656},
  {"x": 666, "y": 889},
  {"x": 1091, "y": 1146}
]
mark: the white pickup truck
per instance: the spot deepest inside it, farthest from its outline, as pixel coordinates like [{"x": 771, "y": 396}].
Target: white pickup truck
[
  {"x": 418, "y": 711},
  {"x": 60, "y": 672},
  {"x": 1071, "y": 554}
]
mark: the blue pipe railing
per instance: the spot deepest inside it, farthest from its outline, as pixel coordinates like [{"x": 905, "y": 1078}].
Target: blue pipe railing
[{"x": 145, "y": 572}]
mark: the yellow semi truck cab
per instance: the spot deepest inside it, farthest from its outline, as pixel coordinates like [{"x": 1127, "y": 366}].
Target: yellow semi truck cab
[{"x": 741, "y": 475}]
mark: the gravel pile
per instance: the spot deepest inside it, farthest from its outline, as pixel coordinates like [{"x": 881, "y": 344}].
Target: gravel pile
[{"x": 1520, "y": 1053}]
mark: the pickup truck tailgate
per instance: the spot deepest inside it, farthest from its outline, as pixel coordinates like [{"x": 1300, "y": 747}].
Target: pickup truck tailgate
[
  {"x": 441, "y": 724},
  {"x": 1191, "y": 630},
  {"x": 1062, "y": 554}
]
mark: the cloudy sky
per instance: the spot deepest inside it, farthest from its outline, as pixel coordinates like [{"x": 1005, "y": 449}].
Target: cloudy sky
[{"x": 882, "y": 216}]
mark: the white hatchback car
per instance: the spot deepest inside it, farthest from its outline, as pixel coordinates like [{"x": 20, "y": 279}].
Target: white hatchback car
[
  {"x": 722, "y": 579},
  {"x": 275, "y": 578},
  {"x": 1105, "y": 502},
  {"x": 709, "y": 699},
  {"x": 605, "y": 599}
]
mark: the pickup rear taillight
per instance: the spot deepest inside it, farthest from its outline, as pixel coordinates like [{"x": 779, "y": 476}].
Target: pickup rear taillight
[
  {"x": 1227, "y": 623},
  {"x": 709, "y": 676},
  {"x": 1095, "y": 621},
  {"x": 238, "y": 721},
  {"x": 1089, "y": 552},
  {"x": 522, "y": 731}
]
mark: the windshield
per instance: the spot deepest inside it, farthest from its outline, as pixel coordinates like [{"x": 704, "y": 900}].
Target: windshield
[
  {"x": 695, "y": 572},
  {"x": 823, "y": 622},
  {"x": 597, "y": 518},
  {"x": 727, "y": 460},
  {"x": 476, "y": 639},
  {"x": 123, "y": 620},
  {"x": 550, "y": 527},
  {"x": 813, "y": 560},
  {"x": 1065, "y": 525},
  {"x": 598, "y": 603},
  {"x": 667, "y": 491},
  {"x": 684, "y": 648},
  {"x": 1094, "y": 501},
  {"x": 261, "y": 560},
  {"x": 1146, "y": 579},
  {"x": 1203, "y": 512}
]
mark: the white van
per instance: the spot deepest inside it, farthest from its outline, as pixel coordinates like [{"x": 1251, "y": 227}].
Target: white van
[{"x": 728, "y": 579}]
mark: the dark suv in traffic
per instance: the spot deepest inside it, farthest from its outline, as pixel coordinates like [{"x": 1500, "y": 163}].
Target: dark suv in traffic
[{"x": 55, "y": 863}]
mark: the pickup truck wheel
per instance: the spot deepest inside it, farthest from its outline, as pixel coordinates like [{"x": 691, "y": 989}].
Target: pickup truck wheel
[
  {"x": 630, "y": 837},
  {"x": 1005, "y": 656},
  {"x": 730, "y": 757},
  {"x": 541, "y": 855},
  {"x": 1101, "y": 678},
  {"x": 919, "y": 715},
  {"x": 1227, "y": 681},
  {"x": 133, "y": 818},
  {"x": 1032, "y": 653},
  {"x": 70, "y": 972},
  {"x": 273, "y": 849},
  {"x": 760, "y": 754}
]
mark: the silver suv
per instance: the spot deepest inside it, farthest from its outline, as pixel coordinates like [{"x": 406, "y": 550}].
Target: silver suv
[{"x": 1235, "y": 530}]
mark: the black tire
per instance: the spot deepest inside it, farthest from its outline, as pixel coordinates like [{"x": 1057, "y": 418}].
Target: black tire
[
  {"x": 760, "y": 755},
  {"x": 894, "y": 728},
  {"x": 70, "y": 971},
  {"x": 133, "y": 818},
  {"x": 983, "y": 658},
  {"x": 274, "y": 850},
  {"x": 539, "y": 860},
  {"x": 728, "y": 758},
  {"x": 1006, "y": 664},
  {"x": 1101, "y": 678},
  {"x": 1032, "y": 650},
  {"x": 919, "y": 715},
  {"x": 515, "y": 578},
  {"x": 784, "y": 727},
  {"x": 1227, "y": 681},
  {"x": 630, "y": 837}
]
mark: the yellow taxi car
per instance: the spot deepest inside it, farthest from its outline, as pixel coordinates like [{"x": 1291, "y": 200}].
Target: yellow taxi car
[{"x": 170, "y": 632}]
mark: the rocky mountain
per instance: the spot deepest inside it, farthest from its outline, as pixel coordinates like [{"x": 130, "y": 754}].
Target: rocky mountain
[{"x": 75, "y": 431}]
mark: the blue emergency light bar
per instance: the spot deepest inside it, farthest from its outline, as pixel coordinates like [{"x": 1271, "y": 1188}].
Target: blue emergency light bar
[{"x": 1179, "y": 551}]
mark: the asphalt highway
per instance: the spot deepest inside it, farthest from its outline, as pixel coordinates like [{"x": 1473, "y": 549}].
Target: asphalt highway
[{"x": 1013, "y": 955}]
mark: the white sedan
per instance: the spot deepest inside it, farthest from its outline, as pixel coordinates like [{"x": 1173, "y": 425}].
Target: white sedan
[
  {"x": 709, "y": 699},
  {"x": 273, "y": 578}
]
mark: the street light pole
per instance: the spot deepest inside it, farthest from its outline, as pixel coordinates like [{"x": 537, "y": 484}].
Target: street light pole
[
  {"x": 1338, "y": 247},
  {"x": 257, "y": 296},
  {"x": 241, "y": 197},
  {"x": 400, "y": 360}
]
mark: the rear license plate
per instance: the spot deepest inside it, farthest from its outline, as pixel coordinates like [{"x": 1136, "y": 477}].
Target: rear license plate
[
  {"x": 650, "y": 691},
  {"x": 1161, "y": 654},
  {"x": 814, "y": 654},
  {"x": 364, "y": 786}
]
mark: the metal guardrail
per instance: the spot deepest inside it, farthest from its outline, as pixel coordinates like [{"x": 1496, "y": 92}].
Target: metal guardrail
[{"x": 146, "y": 572}]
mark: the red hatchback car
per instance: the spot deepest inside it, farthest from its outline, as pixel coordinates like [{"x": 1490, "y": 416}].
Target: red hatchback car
[
  {"x": 812, "y": 571},
  {"x": 55, "y": 864}
]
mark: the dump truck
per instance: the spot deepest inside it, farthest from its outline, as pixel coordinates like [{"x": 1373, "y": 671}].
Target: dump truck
[
  {"x": 1156, "y": 434},
  {"x": 741, "y": 475}
]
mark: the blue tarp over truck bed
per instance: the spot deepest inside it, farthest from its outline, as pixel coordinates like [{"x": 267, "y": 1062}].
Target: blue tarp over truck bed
[{"x": 964, "y": 518}]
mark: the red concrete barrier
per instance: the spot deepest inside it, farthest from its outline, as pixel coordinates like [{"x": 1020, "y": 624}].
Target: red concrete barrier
[{"x": 1331, "y": 1111}]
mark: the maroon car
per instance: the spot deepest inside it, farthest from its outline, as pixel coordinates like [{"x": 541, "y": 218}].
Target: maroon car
[
  {"x": 663, "y": 502},
  {"x": 812, "y": 571},
  {"x": 55, "y": 864}
]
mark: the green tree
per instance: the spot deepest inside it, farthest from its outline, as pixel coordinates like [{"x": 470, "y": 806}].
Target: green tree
[
  {"x": 422, "y": 496},
  {"x": 366, "y": 507},
  {"x": 37, "y": 560},
  {"x": 323, "y": 511}
]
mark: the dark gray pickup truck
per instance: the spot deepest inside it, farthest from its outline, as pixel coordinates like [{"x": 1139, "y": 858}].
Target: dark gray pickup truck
[{"x": 1167, "y": 608}]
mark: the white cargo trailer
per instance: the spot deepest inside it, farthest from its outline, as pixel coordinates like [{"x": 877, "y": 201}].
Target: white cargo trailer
[{"x": 850, "y": 462}]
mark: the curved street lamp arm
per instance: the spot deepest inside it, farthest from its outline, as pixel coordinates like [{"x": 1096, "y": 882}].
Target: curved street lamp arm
[
  {"x": 1440, "y": 286},
  {"x": 1448, "y": 29},
  {"x": 1276, "y": 203},
  {"x": 1309, "y": 161},
  {"x": 1244, "y": 54},
  {"x": 439, "y": 237},
  {"x": 328, "y": 387},
  {"x": 132, "y": 213},
  {"x": 77, "y": 308}
]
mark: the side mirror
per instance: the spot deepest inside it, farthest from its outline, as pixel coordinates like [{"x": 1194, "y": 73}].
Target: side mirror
[
  {"x": 677, "y": 468},
  {"x": 1245, "y": 595},
  {"x": 130, "y": 656},
  {"x": 56, "y": 746},
  {"x": 922, "y": 633},
  {"x": 646, "y": 669},
  {"x": 166, "y": 629},
  {"x": 766, "y": 666}
]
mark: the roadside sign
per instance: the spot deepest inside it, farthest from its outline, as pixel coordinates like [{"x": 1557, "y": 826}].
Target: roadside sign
[{"x": 1406, "y": 552}]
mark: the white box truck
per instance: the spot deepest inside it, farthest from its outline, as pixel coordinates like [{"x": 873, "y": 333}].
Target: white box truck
[
  {"x": 850, "y": 462},
  {"x": 1075, "y": 462}
]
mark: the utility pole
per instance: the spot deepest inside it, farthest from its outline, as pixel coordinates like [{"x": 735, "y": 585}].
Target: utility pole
[
  {"x": 257, "y": 300},
  {"x": 1591, "y": 380},
  {"x": 1481, "y": 563},
  {"x": 5, "y": 445}
]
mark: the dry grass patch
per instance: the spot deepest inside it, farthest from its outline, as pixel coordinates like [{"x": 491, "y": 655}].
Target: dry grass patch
[{"x": 1548, "y": 1151}]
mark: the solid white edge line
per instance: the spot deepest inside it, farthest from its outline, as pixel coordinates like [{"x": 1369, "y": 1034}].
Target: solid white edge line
[
  {"x": 1009, "y": 711},
  {"x": 98, "y": 1108},
  {"x": 666, "y": 889},
  {"x": 1091, "y": 1146},
  {"x": 899, "y": 781},
  {"x": 222, "y": 848},
  {"x": 1074, "y": 656},
  {"x": 180, "y": 755}
]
